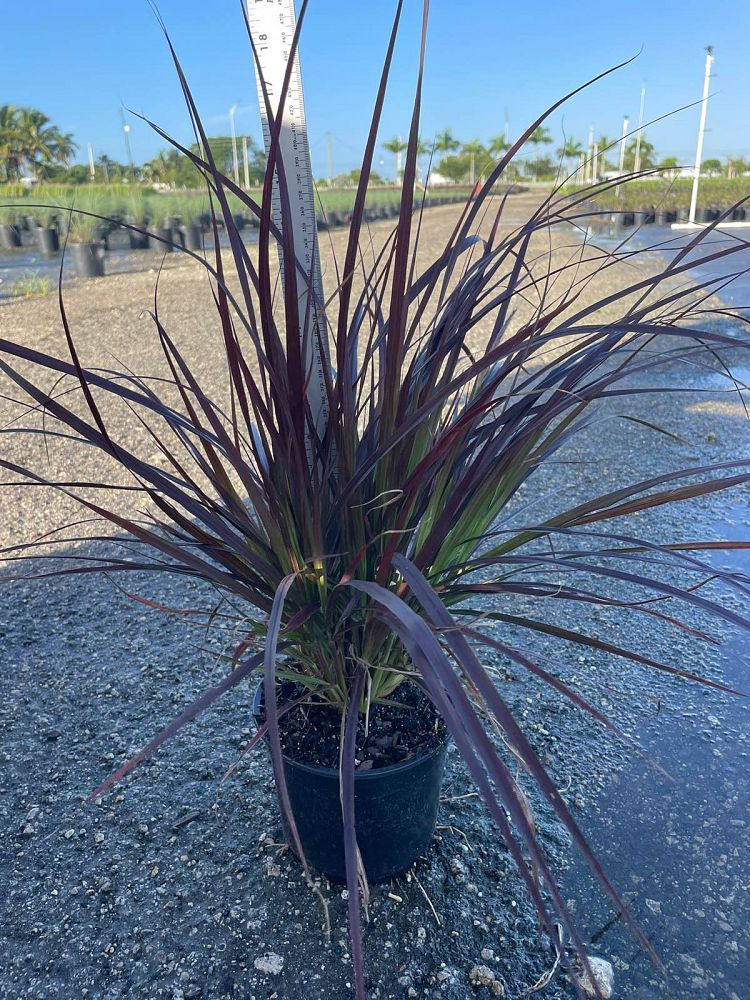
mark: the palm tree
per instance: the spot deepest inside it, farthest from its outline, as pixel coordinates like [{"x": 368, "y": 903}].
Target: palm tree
[
  {"x": 647, "y": 158},
  {"x": 572, "y": 150},
  {"x": 111, "y": 169},
  {"x": 498, "y": 145},
  {"x": 478, "y": 153},
  {"x": 606, "y": 146},
  {"x": 42, "y": 144},
  {"x": 396, "y": 145},
  {"x": 445, "y": 142},
  {"x": 10, "y": 154},
  {"x": 539, "y": 137}
]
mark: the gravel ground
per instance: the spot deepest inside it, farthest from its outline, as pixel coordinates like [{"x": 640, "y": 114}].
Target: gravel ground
[{"x": 175, "y": 885}]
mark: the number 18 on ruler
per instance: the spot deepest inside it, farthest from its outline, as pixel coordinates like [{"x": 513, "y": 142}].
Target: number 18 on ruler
[{"x": 272, "y": 25}]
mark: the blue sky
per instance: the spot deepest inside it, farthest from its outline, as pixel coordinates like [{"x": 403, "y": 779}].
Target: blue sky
[{"x": 81, "y": 60}]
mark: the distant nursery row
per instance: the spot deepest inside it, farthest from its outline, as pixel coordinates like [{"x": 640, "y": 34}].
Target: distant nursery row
[{"x": 65, "y": 206}]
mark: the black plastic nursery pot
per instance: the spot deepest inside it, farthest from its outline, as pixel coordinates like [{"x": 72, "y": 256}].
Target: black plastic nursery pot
[
  {"x": 48, "y": 240},
  {"x": 395, "y": 808},
  {"x": 88, "y": 259},
  {"x": 138, "y": 241},
  {"x": 665, "y": 217},
  {"x": 161, "y": 239},
  {"x": 10, "y": 237},
  {"x": 191, "y": 237}
]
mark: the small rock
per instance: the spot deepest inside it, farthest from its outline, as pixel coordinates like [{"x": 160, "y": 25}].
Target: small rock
[
  {"x": 269, "y": 964},
  {"x": 654, "y": 905},
  {"x": 69, "y": 834},
  {"x": 488, "y": 954},
  {"x": 481, "y": 975},
  {"x": 603, "y": 974},
  {"x": 98, "y": 837},
  {"x": 458, "y": 868},
  {"x": 711, "y": 437}
]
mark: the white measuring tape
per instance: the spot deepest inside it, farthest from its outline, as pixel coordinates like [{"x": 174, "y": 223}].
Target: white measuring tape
[{"x": 272, "y": 25}]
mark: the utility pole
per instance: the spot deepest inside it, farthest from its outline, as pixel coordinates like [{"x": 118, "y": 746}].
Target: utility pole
[
  {"x": 621, "y": 166},
  {"x": 590, "y": 157},
  {"x": 637, "y": 164},
  {"x": 126, "y": 134},
  {"x": 235, "y": 161},
  {"x": 506, "y": 131},
  {"x": 595, "y": 164},
  {"x": 245, "y": 162},
  {"x": 329, "y": 157},
  {"x": 701, "y": 132},
  {"x": 398, "y": 160},
  {"x": 92, "y": 168}
]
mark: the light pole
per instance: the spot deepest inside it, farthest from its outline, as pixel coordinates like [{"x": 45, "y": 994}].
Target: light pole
[
  {"x": 235, "y": 162},
  {"x": 245, "y": 162},
  {"x": 126, "y": 134},
  {"x": 329, "y": 158},
  {"x": 637, "y": 163},
  {"x": 590, "y": 156},
  {"x": 621, "y": 166},
  {"x": 701, "y": 132},
  {"x": 92, "y": 169}
]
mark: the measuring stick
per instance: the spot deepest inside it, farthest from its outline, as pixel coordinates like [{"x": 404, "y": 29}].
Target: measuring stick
[{"x": 272, "y": 25}]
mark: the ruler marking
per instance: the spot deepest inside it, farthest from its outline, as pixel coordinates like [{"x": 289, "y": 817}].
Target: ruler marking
[{"x": 272, "y": 25}]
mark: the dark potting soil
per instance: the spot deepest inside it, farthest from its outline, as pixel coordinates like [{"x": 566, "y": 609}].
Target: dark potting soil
[{"x": 402, "y": 729}]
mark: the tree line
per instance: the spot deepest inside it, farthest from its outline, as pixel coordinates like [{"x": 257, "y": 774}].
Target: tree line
[
  {"x": 466, "y": 162},
  {"x": 32, "y": 145}
]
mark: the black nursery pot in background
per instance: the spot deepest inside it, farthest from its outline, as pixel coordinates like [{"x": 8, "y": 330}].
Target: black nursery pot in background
[
  {"x": 48, "y": 240},
  {"x": 191, "y": 237},
  {"x": 10, "y": 237},
  {"x": 395, "y": 809},
  {"x": 138, "y": 241},
  {"x": 161, "y": 239},
  {"x": 88, "y": 259}
]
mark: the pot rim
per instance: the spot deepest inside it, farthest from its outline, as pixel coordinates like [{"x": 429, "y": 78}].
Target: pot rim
[{"x": 370, "y": 775}]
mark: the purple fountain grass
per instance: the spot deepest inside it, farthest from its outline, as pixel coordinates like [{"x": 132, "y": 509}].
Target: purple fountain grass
[{"x": 362, "y": 564}]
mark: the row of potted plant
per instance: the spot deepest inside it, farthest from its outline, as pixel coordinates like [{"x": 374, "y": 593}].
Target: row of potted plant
[
  {"x": 85, "y": 225},
  {"x": 157, "y": 221},
  {"x": 672, "y": 195}
]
